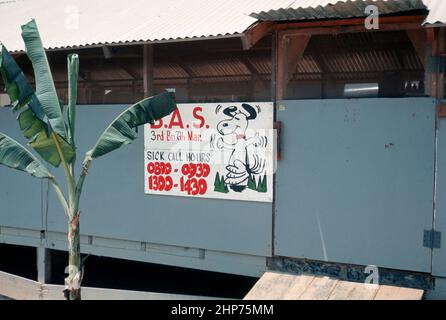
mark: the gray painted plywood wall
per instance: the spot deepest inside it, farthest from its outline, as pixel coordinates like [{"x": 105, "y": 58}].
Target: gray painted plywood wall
[
  {"x": 114, "y": 204},
  {"x": 439, "y": 254},
  {"x": 356, "y": 181},
  {"x": 20, "y": 194}
]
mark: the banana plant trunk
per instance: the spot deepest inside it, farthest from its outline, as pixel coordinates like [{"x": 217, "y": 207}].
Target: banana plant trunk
[
  {"x": 74, "y": 259},
  {"x": 75, "y": 267}
]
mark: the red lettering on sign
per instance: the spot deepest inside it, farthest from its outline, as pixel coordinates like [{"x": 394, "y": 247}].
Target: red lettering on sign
[
  {"x": 176, "y": 120},
  {"x": 158, "y": 124},
  {"x": 199, "y": 117}
]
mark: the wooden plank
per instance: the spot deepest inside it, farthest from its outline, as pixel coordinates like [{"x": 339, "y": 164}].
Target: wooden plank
[
  {"x": 398, "y": 293},
  {"x": 282, "y": 286},
  {"x": 264, "y": 287},
  {"x": 345, "y": 290},
  {"x": 279, "y": 286},
  {"x": 320, "y": 289},
  {"x": 54, "y": 292},
  {"x": 298, "y": 287},
  {"x": 18, "y": 288}
]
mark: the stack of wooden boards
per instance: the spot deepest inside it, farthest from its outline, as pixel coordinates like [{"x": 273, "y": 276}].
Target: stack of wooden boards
[{"x": 281, "y": 286}]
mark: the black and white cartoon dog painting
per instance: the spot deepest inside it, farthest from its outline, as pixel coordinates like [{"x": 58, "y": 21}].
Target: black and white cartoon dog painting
[{"x": 244, "y": 162}]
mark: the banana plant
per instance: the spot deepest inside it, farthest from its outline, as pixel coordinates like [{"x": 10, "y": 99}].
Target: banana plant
[{"x": 50, "y": 130}]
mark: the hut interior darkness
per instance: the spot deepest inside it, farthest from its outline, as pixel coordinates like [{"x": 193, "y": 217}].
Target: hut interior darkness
[{"x": 220, "y": 70}]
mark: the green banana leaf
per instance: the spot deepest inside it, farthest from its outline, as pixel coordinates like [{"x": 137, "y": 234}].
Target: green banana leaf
[
  {"x": 32, "y": 118},
  {"x": 45, "y": 89},
  {"x": 121, "y": 132},
  {"x": 16, "y": 156}
]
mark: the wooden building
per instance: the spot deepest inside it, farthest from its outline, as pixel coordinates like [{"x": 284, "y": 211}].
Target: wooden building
[{"x": 358, "y": 100}]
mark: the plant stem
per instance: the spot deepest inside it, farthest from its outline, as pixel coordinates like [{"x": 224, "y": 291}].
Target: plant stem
[
  {"x": 73, "y": 281},
  {"x": 75, "y": 273},
  {"x": 68, "y": 176},
  {"x": 83, "y": 175}
]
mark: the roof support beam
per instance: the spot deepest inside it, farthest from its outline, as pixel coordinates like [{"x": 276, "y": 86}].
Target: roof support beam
[
  {"x": 418, "y": 39},
  {"x": 330, "y": 26},
  {"x": 107, "y": 51},
  {"x": 148, "y": 70},
  {"x": 129, "y": 70},
  {"x": 351, "y": 29},
  {"x": 186, "y": 69},
  {"x": 290, "y": 50},
  {"x": 249, "y": 66},
  {"x": 256, "y": 33}
]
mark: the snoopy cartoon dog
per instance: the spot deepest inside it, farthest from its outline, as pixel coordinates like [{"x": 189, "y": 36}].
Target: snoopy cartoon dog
[{"x": 243, "y": 161}]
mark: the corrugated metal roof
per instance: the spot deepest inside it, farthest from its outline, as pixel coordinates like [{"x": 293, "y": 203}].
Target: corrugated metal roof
[
  {"x": 437, "y": 12},
  {"x": 330, "y": 9},
  {"x": 74, "y": 23},
  {"x": 77, "y": 23}
]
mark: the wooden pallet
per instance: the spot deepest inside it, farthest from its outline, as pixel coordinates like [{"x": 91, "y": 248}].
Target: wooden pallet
[{"x": 281, "y": 286}]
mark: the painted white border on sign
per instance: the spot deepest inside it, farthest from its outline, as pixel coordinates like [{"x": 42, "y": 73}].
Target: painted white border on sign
[{"x": 212, "y": 150}]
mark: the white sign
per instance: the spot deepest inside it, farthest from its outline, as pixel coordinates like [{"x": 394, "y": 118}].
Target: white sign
[{"x": 210, "y": 150}]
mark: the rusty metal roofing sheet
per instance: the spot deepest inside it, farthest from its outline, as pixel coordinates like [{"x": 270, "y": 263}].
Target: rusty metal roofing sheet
[{"x": 331, "y": 9}]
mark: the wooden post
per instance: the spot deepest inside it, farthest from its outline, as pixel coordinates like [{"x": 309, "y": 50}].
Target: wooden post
[
  {"x": 442, "y": 54},
  {"x": 133, "y": 91},
  {"x": 431, "y": 65},
  {"x": 290, "y": 49},
  {"x": 148, "y": 70},
  {"x": 43, "y": 265},
  {"x": 274, "y": 65},
  {"x": 418, "y": 39},
  {"x": 281, "y": 67}
]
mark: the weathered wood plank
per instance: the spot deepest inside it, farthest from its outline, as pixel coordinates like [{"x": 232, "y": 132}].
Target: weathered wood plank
[
  {"x": 319, "y": 289},
  {"x": 54, "y": 292},
  {"x": 298, "y": 287},
  {"x": 277, "y": 286},
  {"x": 281, "y": 286},
  {"x": 18, "y": 288},
  {"x": 264, "y": 287},
  {"x": 345, "y": 290},
  {"x": 398, "y": 293}
]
